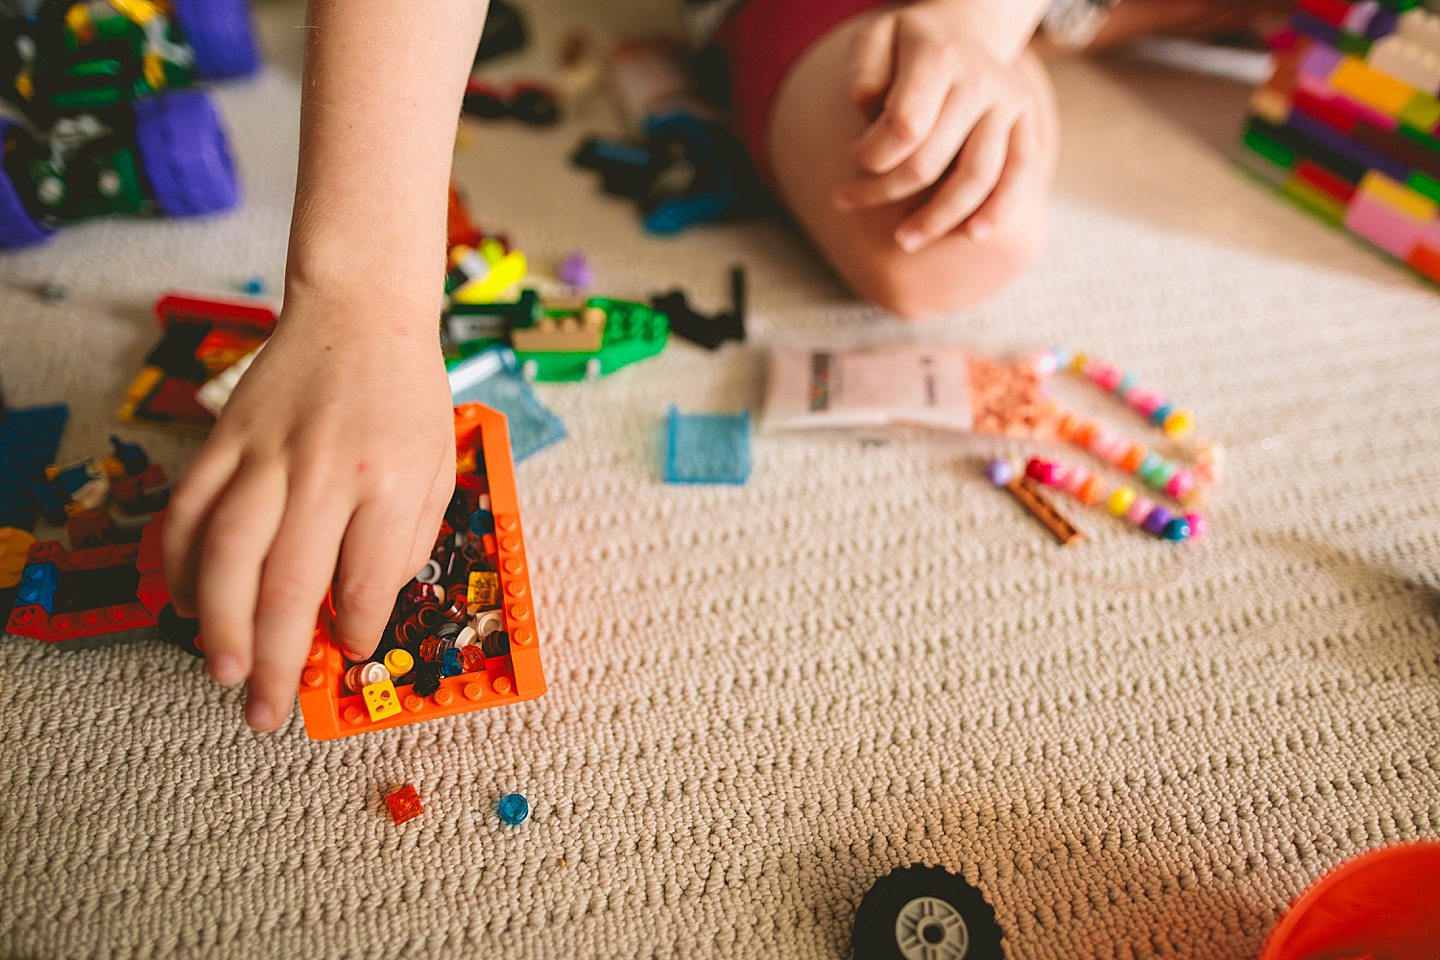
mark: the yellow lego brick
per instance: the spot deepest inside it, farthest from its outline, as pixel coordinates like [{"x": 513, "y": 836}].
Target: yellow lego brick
[
  {"x": 14, "y": 549},
  {"x": 484, "y": 590},
  {"x": 583, "y": 333},
  {"x": 502, "y": 276},
  {"x": 1270, "y": 104},
  {"x": 1399, "y": 197},
  {"x": 1357, "y": 79},
  {"x": 380, "y": 700}
]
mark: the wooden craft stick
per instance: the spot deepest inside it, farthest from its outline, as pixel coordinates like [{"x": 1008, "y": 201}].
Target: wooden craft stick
[{"x": 1028, "y": 492}]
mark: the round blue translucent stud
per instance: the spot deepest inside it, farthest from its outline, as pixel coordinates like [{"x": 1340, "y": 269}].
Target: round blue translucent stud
[
  {"x": 1000, "y": 472},
  {"x": 513, "y": 809},
  {"x": 253, "y": 287},
  {"x": 1177, "y": 529}
]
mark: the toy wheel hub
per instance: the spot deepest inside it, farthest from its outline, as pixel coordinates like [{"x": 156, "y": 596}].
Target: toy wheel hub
[{"x": 928, "y": 928}]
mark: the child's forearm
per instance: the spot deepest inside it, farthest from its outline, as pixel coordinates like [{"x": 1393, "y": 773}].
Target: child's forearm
[
  {"x": 383, "y": 83},
  {"x": 1003, "y": 26}
]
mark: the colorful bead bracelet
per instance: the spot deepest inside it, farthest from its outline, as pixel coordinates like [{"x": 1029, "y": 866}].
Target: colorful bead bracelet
[
  {"x": 1152, "y": 469},
  {"x": 1092, "y": 490}
]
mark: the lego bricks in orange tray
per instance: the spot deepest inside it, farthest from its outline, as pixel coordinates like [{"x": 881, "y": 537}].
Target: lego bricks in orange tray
[
  {"x": 203, "y": 337},
  {"x": 462, "y": 635}
]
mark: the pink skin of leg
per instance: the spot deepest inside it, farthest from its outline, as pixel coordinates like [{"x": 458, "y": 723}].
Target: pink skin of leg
[{"x": 814, "y": 125}]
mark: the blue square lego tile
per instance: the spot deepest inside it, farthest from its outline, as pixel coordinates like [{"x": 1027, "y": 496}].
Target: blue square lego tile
[
  {"x": 29, "y": 440},
  {"x": 492, "y": 377},
  {"x": 38, "y": 583},
  {"x": 706, "y": 447}
]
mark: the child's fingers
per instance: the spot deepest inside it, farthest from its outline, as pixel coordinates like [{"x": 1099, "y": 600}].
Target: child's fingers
[
  {"x": 185, "y": 514},
  {"x": 236, "y": 539},
  {"x": 923, "y": 76},
  {"x": 872, "y": 62},
  {"x": 431, "y": 516},
  {"x": 297, "y": 574},
  {"x": 374, "y": 562},
  {"x": 980, "y": 163},
  {"x": 924, "y": 167},
  {"x": 1009, "y": 190}
]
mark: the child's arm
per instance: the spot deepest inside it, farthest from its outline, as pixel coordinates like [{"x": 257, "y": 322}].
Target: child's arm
[
  {"x": 338, "y": 445},
  {"x": 952, "y": 115}
]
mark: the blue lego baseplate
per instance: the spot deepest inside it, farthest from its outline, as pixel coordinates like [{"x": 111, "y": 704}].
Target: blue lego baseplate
[
  {"x": 493, "y": 377},
  {"x": 706, "y": 447},
  {"x": 29, "y": 441}
]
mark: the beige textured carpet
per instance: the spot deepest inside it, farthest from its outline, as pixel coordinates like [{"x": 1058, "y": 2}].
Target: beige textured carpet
[{"x": 762, "y": 699}]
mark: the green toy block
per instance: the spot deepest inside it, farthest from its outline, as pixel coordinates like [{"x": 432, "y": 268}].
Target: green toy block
[
  {"x": 1269, "y": 148},
  {"x": 1425, "y": 184},
  {"x": 1353, "y": 44},
  {"x": 633, "y": 332}
]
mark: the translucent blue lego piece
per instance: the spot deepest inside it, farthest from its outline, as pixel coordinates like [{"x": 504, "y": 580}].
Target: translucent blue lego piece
[
  {"x": 37, "y": 586},
  {"x": 29, "y": 439},
  {"x": 493, "y": 377},
  {"x": 513, "y": 809},
  {"x": 706, "y": 447}
]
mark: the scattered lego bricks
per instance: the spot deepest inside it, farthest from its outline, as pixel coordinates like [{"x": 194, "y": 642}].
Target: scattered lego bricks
[
  {"x": 513, "y": 809},
  {"x": 706, "y": 448},
  {"x": 203, "y": 337},
  {"x": 404, "y": 804},
  {"x": 1348, "y": 127},
  {"x": 441, "y": 653},
  {"x": 82, "y": 598},
  {"x": 29, "y": 439}
]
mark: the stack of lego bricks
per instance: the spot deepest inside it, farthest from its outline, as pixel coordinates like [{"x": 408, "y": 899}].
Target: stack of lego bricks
[{"x": 1348, "y": 127}]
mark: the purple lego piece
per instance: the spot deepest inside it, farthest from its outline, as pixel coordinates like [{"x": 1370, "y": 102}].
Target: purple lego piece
[
  {"x": 1313, "y": 26},
  {"x": 1314, "y": 130},
  {"x": 1382, "y": 24},
  {"x": 1320, "y": 61},
  {"x": 1360, "y": 15}
]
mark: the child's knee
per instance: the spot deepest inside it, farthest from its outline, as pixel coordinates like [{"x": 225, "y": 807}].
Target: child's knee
[{"x": 949, "y": 275}]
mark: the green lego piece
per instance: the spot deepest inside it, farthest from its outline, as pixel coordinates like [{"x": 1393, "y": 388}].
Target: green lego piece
[
  {"x": 1421, "y": 113},
  {"x": 1424, "y": 184},
  {"x": 1424, "y": 139},
  {"x": 1353, "y": 44},
  {"x": 1269, "y": 148},
  {"x": 633, "y": 332},
  {"x": 1399, "y": 6},
  {"x": 1320, "y": 204}
]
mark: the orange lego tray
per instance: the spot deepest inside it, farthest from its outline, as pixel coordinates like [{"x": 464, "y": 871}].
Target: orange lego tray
[{"x": 331, "y": 711}]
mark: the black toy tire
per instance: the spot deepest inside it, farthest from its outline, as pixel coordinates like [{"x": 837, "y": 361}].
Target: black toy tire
[{"x": 874, "y": 936}]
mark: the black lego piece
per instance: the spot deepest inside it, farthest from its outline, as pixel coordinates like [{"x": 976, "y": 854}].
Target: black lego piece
[
  {"x": 708, "y": 332},
  {"x": 925, "y": 912},
  {"x": 504, "y": 31}
]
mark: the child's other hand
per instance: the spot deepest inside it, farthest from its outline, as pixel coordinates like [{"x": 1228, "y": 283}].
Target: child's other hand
[
  {"x": 950, "y": 119},
  {"x": 336, "y": 447}
]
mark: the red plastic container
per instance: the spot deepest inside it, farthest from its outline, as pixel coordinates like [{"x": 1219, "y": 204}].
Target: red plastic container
[{"x": 1383, "y": 904}]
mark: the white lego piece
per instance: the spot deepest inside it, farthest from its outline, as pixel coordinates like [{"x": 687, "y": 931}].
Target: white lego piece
[
  {"x": 1407, "y": 61},
  {"x": 1421, "y": 27},
  {"x": 216, "y": 391}
]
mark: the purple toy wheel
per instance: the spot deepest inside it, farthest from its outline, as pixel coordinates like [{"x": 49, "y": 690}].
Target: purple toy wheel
[
  {"x": 219, "y": 32},
  {"x": 185, "y": 155},
  {"x": 17, "y": 227}
]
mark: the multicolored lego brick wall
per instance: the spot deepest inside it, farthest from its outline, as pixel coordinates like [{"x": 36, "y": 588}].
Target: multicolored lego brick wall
[{"x": 1348, "y": 127}]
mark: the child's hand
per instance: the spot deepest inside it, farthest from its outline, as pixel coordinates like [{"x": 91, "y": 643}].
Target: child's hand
[
  {"x": 950, "y": 118},
  {"x": 337, "y": 446}
]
